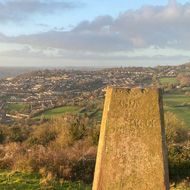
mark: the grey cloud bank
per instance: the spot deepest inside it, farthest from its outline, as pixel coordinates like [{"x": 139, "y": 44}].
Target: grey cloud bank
[
  {"x": 149, "y": 26},
  {"x": 158, "y": 27}
]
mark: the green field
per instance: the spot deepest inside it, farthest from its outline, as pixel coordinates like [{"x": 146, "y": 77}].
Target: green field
[
  {"x": 66, "y": 109},
  {"x": 16, "y": 107},
  {"x": 175, "y": 99},
  {"x": 181, "y": 112},
  {"x": 168, "y": 80},
  {"x": 34, "y": 181},
  {"x": 59, "y": 111}
]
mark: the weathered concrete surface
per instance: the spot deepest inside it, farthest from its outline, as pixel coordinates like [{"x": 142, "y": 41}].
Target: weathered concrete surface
[{"x": 132, "y": 148}]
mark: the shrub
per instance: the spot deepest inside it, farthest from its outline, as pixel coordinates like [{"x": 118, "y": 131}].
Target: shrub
[
  {"x": 176, "y": 131},
  {"x": 179, "y": 163}
]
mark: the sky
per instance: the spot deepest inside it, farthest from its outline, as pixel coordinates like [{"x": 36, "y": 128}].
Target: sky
[{"x": 94, "y": 33}]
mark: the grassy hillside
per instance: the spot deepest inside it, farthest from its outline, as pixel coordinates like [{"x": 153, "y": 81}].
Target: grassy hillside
[
  {"x": 59, "y": 111},
  {"x": 34, "y": 181}
]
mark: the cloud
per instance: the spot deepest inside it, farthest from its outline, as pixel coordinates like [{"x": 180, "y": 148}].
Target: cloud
[
  {"x": 123, "y": 58},
  {"x": 146, "y": 55},
  {"x": 22, "y": 9},
  {"x": 150, "y": 26},
  {"x": 54, "y": 54},
  {"x": 157, "y": 26},
  {"x": 24, "y": 52},
  {"x": 75, "y": 41}
]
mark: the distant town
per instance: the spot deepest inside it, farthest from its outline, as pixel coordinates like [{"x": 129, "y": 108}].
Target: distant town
[{"x": 40, "y": 90}]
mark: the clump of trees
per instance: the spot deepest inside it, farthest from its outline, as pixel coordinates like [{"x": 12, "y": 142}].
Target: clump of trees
[
  {"x": 184, "y": 79},
  {"x": 58, "y": 148},
  {"x": 178, "y": 139}
]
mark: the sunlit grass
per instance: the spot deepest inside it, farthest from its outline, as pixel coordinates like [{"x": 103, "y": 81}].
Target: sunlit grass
[
  {"x": 175, "y": 99},
  {"x": 66, "y": 109},
  {"x": 34, "y": 181}
]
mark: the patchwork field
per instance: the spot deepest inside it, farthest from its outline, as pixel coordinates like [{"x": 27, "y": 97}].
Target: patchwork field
[
  {"x": 179, "y": 104},
  {"x": 173, "y": 101}
]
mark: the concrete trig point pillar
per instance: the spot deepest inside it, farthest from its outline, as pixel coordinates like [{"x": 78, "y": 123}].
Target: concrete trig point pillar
[{"x": 132, "y": 151}]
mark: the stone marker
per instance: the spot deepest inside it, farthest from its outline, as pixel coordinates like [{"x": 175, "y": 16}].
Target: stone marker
[{"x": 132, "y": 151}]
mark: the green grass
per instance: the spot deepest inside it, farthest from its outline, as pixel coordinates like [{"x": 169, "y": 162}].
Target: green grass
[
  {"x": 168, "y": 80},
  {"x": 34, "y": 181},
  {"x": 66, "y": 109},
  {"x": 181, "y": 112},
  {"x": 16, "y": 107},
  {"x": 175, "y": 99},
  {"x": 59, "y": 111},
  {"x": 97, "y": 115}
]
